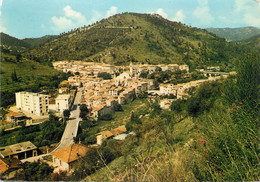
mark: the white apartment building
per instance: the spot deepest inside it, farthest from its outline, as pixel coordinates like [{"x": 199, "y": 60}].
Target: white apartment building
[
  {"x": 62, "y": 103},
  {"x": 33, "y": 103}
]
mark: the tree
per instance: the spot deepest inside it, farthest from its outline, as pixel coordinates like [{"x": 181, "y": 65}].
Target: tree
[
  {"x": 134, "y": 120},
  {"x": 83, "y": 111},
  {"x": 66, "y": 113},
  {"x": 14, "y": 76},
  {"x": 143, "y": 74},
  {"x": 104, "y": 75},
  {"x": 35, "y": 171}
]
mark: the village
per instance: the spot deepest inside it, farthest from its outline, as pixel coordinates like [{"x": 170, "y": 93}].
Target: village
[{"x": 103, "y": 89}]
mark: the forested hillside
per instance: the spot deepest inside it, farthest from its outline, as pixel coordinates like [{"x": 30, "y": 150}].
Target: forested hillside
[
  {"x": 235, "y": 34},
  {"x": 15, "y": 46},
  {"x": 19, "y": 74},
  {"x": 143, "y": 38},
  {"x": 253, "y": 43}
]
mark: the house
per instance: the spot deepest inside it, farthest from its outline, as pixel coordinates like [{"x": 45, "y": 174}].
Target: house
[
  {"x": 62, "y": 103},
  {"x": 65, "y": 158},
  {"x": 63, "y": 90},
  {"x": 34, "y": 103},
  {"x": 119, "y": 130},
  {"x": 166, "y": 104},
  {"x": 102, "y": 136},
  {"x": 6, "y": 164},
  {"x": 14, "y": 116},
  {"x": 19, "y": 151},
  {"x": 167, "y": 89},
  {"x": 102, "y": 110}
]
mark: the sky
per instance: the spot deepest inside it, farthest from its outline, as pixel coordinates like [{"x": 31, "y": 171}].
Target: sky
[{"x": 36, "y": 18}]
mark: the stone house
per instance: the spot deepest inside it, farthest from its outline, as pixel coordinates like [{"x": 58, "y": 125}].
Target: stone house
[{"x": 66, "y": 158}]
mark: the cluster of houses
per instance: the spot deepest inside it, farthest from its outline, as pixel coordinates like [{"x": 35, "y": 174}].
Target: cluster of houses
[
  {"x": 64, "y": 159},
  {"x": 102, "y": 96},
  {"x": 93, "y": 68}
]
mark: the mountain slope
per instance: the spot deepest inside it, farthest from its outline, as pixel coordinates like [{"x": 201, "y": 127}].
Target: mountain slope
[
  {"x": 142, "y": 38},
  {"x": 39, "y": 41},
  {"x": 253, "y": 42},
  {"x": 12, "y": 45},
  {"x": 235, "y": 34}
]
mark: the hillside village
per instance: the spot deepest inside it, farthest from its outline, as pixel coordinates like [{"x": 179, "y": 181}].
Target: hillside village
[{"x": 102, "y": 97}]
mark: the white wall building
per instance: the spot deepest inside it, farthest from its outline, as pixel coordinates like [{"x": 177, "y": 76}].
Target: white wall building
[
  {"x": 62, "y": 103},
  {"x": 33, "y": 103}
]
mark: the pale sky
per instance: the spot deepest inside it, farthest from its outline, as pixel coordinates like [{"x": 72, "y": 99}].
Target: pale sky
[{"x": 36, "y": 18}]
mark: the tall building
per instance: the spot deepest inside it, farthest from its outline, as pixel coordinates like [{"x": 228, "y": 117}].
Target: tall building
[
  {"x": 33, "y": 103},
  {"x": 62, "y": 103}
]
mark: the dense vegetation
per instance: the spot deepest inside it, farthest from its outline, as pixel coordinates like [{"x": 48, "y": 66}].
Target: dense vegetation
[
  {"x": 35, "y": 171},
  {"x": 12, "y": 45},
  {"x": 211, "y": 136},
  {"x": 253, "y": 43},
  {"x": 19, "y": 74},
  {"x": 235, "y": 34},
  {"x": 45, "y": 134},
  {"x": 142, "y": 38}
]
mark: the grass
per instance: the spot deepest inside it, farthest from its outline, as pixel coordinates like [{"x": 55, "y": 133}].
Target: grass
[
  {"x": 27, "y": 72},
  {"x": 122, "y": 117}
]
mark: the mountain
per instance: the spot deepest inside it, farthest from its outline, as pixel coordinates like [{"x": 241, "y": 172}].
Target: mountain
[
  {"x": 143, "y": 38},
  {"x": 253, "y": 42},
  {"x": 12, "y": 45},
  {"x": 235, "y": 34},
  {"x": 39, "y": 41}
]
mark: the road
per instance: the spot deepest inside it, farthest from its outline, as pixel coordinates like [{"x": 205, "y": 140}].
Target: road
[{"x": 72, "y": 125}]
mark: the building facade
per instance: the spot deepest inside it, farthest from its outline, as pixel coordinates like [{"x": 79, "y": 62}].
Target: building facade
[
  {"x": 33, "y": 103},
  {"x": 62, "y": 103}
]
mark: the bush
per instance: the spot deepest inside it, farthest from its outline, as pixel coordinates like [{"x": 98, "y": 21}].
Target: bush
[{"x": 107, "y": 117}]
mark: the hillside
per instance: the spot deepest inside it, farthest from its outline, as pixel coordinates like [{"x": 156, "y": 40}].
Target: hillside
[
  {"x": 39, "y": 41},
  {"x": 25, "y": 75},
  {"x": 253, "y": 42},
  {"x": 12, "y": 45},
  {"x": 235, "y": 34},
  {"x": 142, "y": 38}
]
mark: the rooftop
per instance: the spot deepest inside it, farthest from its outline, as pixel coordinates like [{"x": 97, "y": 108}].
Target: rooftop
[
  {"x": 16, "y": 148},
  {"x": 71, "y": 153},
  {"x": 63, "y": 97}
]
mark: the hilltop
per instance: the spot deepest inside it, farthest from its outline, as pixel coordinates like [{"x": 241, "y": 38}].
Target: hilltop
[
  {"x": 142, "y": 38},
  {"x": 14, "y": 46},
  {"x": 235, "y": 34}
]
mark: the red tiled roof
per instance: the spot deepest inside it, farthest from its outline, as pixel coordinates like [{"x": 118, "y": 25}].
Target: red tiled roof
[{"x": 71, "y": 153}]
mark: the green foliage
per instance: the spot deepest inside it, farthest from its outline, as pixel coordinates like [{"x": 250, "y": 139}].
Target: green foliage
[
  {"x": 51, "y": 132},
  {"x": 107, "y": 117},
  {"x": 143, "y": 74},
  {"x": 105, "y": 75},
  {"x": 25, "y": 76},
  {"x": 133, "y": 123},
  {"x": 83, "y": 111},
  {"x": 35, "y": 171},
  {"x": 235, "y": 34},
  {"x": 66, "y": 113}
]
